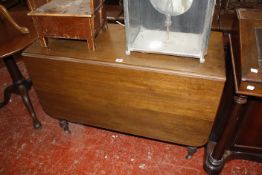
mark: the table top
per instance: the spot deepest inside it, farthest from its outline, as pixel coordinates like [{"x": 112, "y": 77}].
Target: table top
[
  {"x": 11, "y": 40},
  {"x": 111, "y": 47},
  {"x": 80, "y": 8}
]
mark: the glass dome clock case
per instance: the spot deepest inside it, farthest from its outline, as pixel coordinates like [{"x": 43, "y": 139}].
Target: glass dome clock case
[{"x": 173, "y": 27}]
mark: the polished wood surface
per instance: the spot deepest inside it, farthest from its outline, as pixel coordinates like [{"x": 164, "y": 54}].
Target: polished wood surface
[
  {"x": 11, "y": 40},
  {"x": 111, "y": 45},
  {"x": 245, "y": 52},
  {"x": 7, "y": 16},
  {"x": 82, "y": 20},
  {"x": 157, "y": 96}
]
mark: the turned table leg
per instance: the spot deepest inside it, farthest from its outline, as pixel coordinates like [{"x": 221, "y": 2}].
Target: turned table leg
[
  {"x": 216, "y": 158},
  {"x": 20, "y": 86}
]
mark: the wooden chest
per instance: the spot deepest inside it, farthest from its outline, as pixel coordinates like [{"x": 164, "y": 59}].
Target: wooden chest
[
  {"x": 162, "y": 97},
  {"x": 77, "y": 19}
]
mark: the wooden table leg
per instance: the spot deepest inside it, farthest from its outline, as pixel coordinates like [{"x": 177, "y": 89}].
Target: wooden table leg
[
  {"x": 216, "y": 157},
  {"x": 90, "y": 36},
  {"x": 20, "y": 86}
]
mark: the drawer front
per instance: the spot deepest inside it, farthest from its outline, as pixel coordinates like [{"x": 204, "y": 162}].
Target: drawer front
[
  {"x": 142, "y": 102},
  {"x": 63, "y": 27}
]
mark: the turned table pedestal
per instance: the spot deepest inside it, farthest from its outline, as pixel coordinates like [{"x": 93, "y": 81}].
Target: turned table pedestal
[{"x": 13, "y": 40}]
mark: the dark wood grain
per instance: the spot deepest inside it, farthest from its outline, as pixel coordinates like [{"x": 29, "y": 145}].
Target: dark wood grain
[
  {"x": 162, "y": 97},
  {"x": 241, "y": 133},
  {"x": 245, "y": 52},
  {"x": 250, "y": 131}
]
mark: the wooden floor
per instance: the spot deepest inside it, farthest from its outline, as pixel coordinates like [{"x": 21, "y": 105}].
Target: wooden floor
[{"x": 87, "y": 150}]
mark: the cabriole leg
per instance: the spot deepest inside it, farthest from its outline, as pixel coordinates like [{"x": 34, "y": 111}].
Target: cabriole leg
[{"x": 20, "y": 86}]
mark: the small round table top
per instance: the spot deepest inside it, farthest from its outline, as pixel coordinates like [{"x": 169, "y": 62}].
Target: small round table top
[{"x": 11, "y": 40}]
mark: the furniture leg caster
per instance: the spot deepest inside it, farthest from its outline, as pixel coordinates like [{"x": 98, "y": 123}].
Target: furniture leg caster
[
  {"x": 213, "y": 166},
  {"x": 191, "y": 151},
  {"x": 65, "y": 126},
  {"x": 37, "y": 124}
]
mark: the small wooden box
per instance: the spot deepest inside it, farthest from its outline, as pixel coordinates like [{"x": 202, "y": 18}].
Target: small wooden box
[{"x": 71, "y": 19}]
